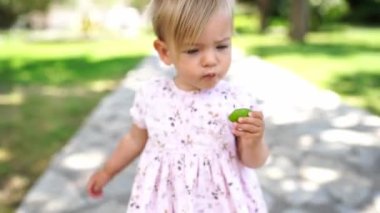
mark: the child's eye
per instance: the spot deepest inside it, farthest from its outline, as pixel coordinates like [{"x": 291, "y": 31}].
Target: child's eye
[
  {"x": 222, "y": 47},
  {"x": 191, "y": 51}
]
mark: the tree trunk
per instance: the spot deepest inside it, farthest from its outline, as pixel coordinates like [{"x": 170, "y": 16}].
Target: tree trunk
[
  {"x": 264, "y": 8},
  {"x": 299, "y": 18}
]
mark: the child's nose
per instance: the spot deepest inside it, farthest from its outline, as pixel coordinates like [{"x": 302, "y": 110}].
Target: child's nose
[{"x": 209, "y": 58}]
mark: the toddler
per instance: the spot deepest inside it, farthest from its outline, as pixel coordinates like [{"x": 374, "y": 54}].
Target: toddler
[{"x": 193, "y": 159}]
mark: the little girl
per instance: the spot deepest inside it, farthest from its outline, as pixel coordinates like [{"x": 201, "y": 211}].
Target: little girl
[{"x": 193, "y": 159}]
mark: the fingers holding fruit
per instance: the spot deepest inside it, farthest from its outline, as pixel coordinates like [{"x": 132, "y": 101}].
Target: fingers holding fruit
[{"x": 247, "y": 124}]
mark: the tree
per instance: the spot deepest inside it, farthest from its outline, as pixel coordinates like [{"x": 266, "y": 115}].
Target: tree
[
  {"x": 364, "y": 11},
  {"x": 264, "y": 8},
  {"x": 299, "y": 18},
  {"x": 10, "y": 10}
]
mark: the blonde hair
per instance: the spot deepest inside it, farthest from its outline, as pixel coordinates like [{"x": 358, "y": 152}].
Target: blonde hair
[{"x": 178, "y": 22}]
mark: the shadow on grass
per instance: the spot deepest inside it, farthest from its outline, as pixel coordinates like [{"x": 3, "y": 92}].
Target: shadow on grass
[
  {"x": 59, "y": 72},
  {"x": 312, "y": 49},
  {"x": 356, "y": 83},
  {"x": 363, "y": 83}
]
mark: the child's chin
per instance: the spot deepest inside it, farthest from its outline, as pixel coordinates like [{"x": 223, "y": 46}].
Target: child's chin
[{"x": 210, "y": 85}]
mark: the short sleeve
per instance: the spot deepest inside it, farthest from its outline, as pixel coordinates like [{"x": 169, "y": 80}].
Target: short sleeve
[{"x": 138, "y": 109}]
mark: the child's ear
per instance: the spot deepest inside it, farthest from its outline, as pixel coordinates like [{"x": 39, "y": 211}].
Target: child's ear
[{"x": 163, "y": 51}]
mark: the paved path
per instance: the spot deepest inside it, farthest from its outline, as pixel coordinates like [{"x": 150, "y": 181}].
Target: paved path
[{"x": 325, "y": 155}]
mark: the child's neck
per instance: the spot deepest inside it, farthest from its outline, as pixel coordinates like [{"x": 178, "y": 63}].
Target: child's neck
[{"x": 183, "y": 87}]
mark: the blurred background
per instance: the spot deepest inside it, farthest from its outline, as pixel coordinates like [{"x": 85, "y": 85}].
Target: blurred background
[{"x": 59, "y": 58}]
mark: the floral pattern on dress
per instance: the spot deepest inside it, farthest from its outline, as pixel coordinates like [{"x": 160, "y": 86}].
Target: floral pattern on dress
[{"x": 189, "y": 163}]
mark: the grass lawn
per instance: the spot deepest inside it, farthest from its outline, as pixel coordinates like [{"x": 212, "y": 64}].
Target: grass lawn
[
  {"x": 344, "y": 59},
  {"x": 47, "y": 89}
]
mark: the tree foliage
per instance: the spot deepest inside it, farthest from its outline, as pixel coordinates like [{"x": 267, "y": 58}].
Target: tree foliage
[
  {"x": 364, "y": 11},
  {"x": 327, "y": 11},
  {"x": 139, "y": 4},
  {"x": 10, "y": 10}
]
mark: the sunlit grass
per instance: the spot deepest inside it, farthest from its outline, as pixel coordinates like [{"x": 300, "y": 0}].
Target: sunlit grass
[
  {"x": 344, "y": 59},
  {"x": 68, "y": 62}
]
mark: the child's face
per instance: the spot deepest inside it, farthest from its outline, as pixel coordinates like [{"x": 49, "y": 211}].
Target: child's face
[{"x": 203, "y": 64}]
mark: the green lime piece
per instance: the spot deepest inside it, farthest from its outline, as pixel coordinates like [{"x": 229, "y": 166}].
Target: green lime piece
[{"x": 237, "y": 113}]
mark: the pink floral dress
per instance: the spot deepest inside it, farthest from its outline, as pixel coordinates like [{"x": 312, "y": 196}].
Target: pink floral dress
[{"x": 189, "y": 163}]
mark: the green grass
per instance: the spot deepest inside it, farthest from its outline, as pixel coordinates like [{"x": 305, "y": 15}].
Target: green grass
[
  {"x": 47, "y": 89},
  {"x": 344, "y": 59}
]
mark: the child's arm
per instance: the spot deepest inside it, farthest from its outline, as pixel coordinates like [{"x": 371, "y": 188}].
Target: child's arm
[
  {"x": 252, "y": 150},
  {"x": 126, "y": 151}
]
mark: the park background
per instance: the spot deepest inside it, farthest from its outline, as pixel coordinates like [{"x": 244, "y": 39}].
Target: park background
[{"x": 59, "y": 58}]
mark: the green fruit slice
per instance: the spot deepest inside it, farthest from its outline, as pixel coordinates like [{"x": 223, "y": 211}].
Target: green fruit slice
[{"x": 237, "y": 113}]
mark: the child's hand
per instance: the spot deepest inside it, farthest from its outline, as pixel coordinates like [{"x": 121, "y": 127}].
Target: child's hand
[
  {"x": 250, "y": 130},
  {"x": 96, "y": 183}
]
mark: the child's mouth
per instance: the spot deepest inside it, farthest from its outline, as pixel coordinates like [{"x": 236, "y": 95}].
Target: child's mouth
[{"x": 210, "y": 75}]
